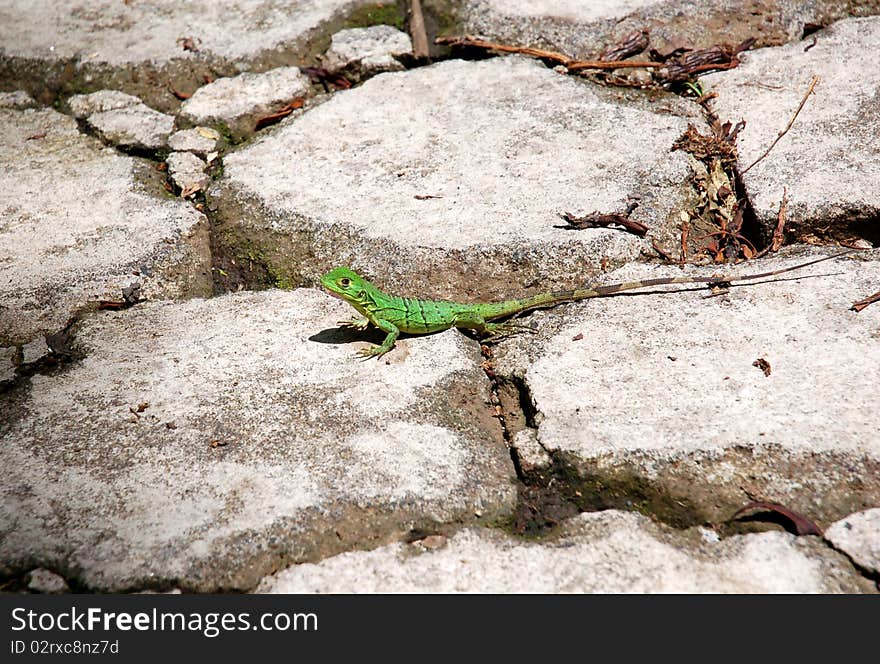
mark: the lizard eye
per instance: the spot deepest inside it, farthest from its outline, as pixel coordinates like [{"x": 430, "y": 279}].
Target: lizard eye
[{"x": 345, "y": 282}]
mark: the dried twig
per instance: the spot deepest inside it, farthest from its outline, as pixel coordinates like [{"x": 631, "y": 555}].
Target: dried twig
[
  {"x": 685, "y": 232},
  {"x": 570, "y": 63},
  {"x": 597, "y": 219},
  {"x": 788, "y": 126},
  {"x": 861, "y": 304},
  {"x": 417, "y": 30},
  {"x": 779, "y": 231},
  {"x": 633, "y": 43}
]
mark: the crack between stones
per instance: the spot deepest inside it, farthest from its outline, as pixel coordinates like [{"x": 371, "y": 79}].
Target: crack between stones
[
  {"x": 550, "y": 493},
  {"x": 863, "y": 571}
]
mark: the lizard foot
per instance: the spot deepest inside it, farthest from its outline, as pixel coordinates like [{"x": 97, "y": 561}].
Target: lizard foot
[
  {"x": 499, "y": 331},
  {"x": 356, "y": 323},
  {"x": 372, "y": 351}
]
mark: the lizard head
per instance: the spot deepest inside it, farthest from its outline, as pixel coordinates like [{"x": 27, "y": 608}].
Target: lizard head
[{"x": 346, "y": 284}]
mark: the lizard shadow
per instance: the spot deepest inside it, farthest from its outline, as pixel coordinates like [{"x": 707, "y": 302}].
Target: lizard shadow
[{"x": 346, "y": 335}]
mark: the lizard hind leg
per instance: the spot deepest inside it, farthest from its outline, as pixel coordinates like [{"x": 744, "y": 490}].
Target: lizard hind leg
[{"x": 497, "y": 331}]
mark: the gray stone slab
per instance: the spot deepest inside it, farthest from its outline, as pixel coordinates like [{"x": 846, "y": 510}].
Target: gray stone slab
[
  {"x": 239, "y": 101},
  {"x": 459, "y": 169},
  {"x": 139, "y": 46},
  {"x": 600, "y": 552},
  {"x": 123, "y": 120},
  {"x": 204, "y": 444},
  {"x": 44, "y": 581},
  {"x": 828, "y": 159},
  {"x": 655, "y": 402},
  {"x": 368, "y": 51},
  {"x": 97, "y": 231},
  {"x": 858, "y": 536},
  {"x": 82, "y": 106},
  {"x": 584, "y": 29},
  {"x": 200, "y": 141},
  {"x": 187, "y": 172}
]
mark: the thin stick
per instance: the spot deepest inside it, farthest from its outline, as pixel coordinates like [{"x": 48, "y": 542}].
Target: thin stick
[
  {"x": 779, "y": 231},
  {"x": 570, "y": 63},
  {"x": 788, "y": 126},
  {"x": 685, "y": 233},
  {"x": 417, "y": 31},
  {"x": 861, "y": 304}
]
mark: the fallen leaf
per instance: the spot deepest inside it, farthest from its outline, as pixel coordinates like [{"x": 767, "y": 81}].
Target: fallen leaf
[
  {"x": 763, "y": 365},
  {"x": 189, "y": 43},
  {"x": 207, "y": 132},
  {"x": 272, "y": 118},
  {"x": 802, "y": 525}
]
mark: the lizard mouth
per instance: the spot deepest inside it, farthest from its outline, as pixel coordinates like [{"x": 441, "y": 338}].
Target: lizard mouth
[{"x": 330, "y": 292}]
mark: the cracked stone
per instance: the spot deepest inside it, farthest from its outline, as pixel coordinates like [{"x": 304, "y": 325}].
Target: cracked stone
[
  {"x": 584, "y": 29},
  {"x": 663, "y": 401},
  {"x": 285, "y": 446},
  {"x": 187, "y": 171},
  {"x": 858, "y": 536},
  {"x": 200, "y": 141},
  {"x": 239, "y": 101},
  {"x": 85, "y": 242},
  {"x": 368, "y": 51},
  {"x": 138, "y": 46},
  {"x": 391, "y": 156},
  {"x": 82, "y": 106},
  {"x": 830, "y": 153},
  {"x": 531, "y": 455},
  {"x": 43, "y": 581},
  {"x": 594, "y": 553},
  {"x": 123, "y": 120}
]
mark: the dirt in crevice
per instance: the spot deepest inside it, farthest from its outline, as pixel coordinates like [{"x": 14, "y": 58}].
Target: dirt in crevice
[
  {"x": 63, "y": 352},
  {"x": 847, "y": 228}
]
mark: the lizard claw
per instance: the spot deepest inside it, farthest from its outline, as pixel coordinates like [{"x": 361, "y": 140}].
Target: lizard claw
[
  {"x": 372, "y": 351},
  {"x": 356, "y": 323}
]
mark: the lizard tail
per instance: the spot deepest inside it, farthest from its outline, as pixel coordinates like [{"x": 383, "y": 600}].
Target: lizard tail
[{"x": 551, "y": 299}]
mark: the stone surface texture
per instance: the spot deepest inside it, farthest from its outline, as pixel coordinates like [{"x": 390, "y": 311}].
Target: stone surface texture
[
  {"x": 201, "y": 445},
  {"x": 99, "y": 231},
  {"x": 858, "y": 536},
  {"x": 123, "y": 120},
  {"x": 368, "y": 51},
  {"x": 657, "y": 391},
  {"x": 180, "y": 410},
  {"x": 460, "y": 168},
  {"x": 238, "y": 102},
  {"x": 604, "y": 552}
]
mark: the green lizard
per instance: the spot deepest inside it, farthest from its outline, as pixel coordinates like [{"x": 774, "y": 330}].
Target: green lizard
[{"x": 394, "y": 314}]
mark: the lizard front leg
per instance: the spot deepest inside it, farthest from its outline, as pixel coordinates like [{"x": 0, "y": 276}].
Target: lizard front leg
[
  {"x": 387, "y": 345},
  {"x": 359, "y": 323}
]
